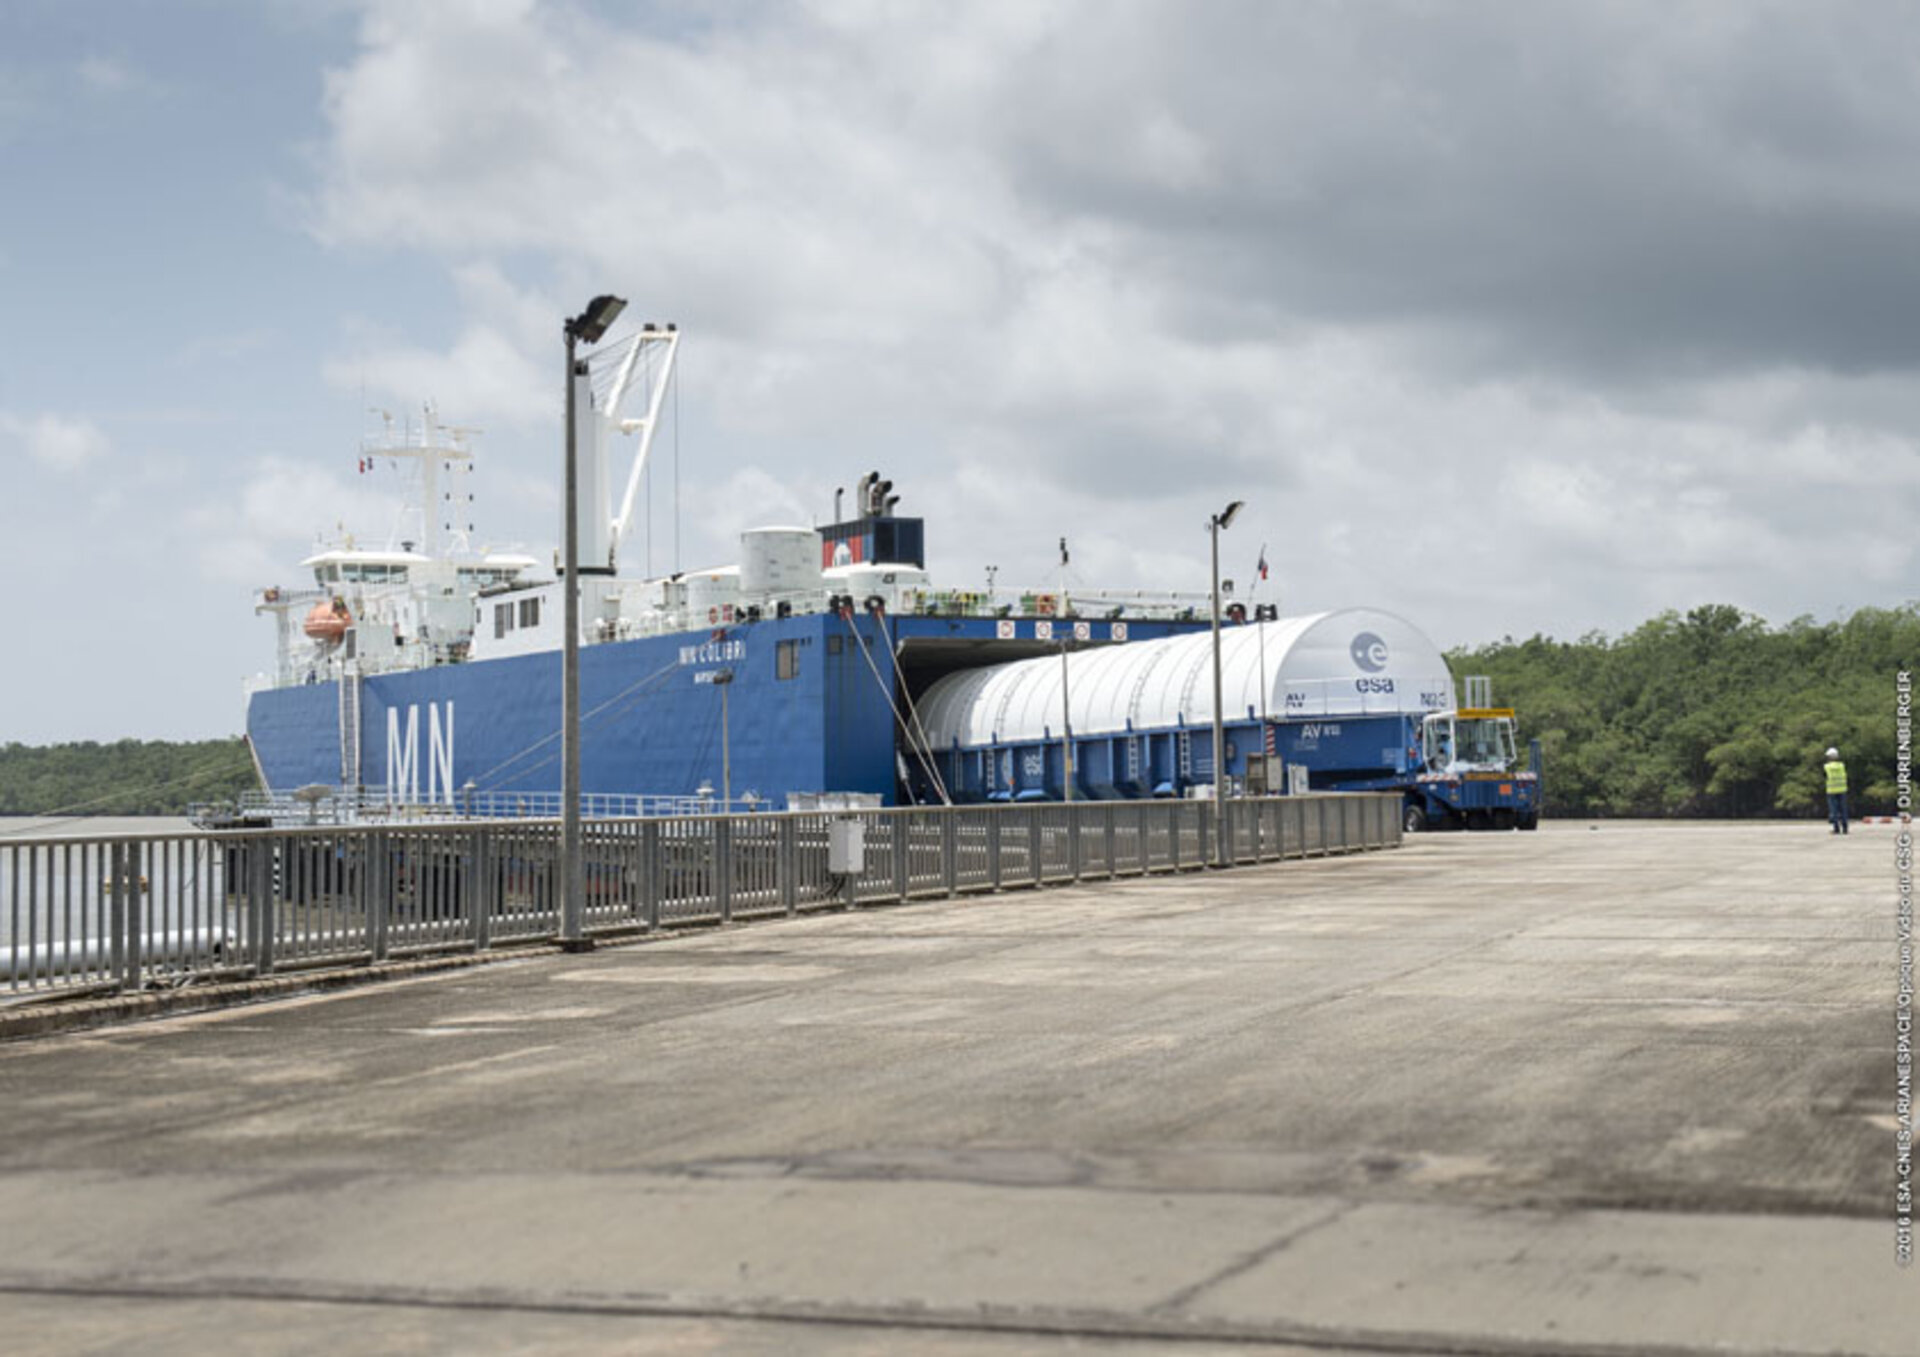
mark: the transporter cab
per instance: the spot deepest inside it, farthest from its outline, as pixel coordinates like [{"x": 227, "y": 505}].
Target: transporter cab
[
  {"x": 1469, "y": 778},
  {"x": 1354, "y": 700}
]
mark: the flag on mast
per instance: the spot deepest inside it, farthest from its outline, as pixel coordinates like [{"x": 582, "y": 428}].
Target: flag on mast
[{"x": 1262, "y": 567}]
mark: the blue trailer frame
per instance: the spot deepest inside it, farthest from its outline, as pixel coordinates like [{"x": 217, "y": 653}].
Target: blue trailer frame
[{"x": 1345, "y": 753}]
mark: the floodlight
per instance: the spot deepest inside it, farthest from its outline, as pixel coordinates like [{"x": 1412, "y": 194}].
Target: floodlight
[{"x": 592, "y": 323}]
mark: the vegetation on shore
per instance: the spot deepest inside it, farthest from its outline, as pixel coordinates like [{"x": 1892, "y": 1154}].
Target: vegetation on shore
[
  {"x": 126, "y": 777},
  {"x": 1714, "y": 713}
]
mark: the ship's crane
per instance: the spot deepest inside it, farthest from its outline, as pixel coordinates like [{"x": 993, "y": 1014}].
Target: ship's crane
[{"x": 603, "y": 386}]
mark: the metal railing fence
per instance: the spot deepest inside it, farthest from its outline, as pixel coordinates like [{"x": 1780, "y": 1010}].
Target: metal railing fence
[
  {"x": 84, "y": 915},
  {"x": 370, "y": 806}
]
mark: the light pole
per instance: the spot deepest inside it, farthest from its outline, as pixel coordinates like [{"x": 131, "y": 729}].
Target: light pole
[
  {"x": 723, "y": 679},
  {"x": 588, "y": 327},
  {"x": 1223, "y": 519},
  {"x": 1066, "y": 703},
  {"x": 1066, "y": 725}
]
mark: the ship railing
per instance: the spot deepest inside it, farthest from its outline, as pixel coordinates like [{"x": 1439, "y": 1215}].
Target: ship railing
[
  {"x": 321, "y": 805},
  {"x": 1080, "y": 604},
  {"x": 82, "y": 915}
]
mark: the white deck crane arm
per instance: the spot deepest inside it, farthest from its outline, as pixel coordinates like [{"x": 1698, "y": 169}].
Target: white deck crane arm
[{"x": 645, "y": 426}]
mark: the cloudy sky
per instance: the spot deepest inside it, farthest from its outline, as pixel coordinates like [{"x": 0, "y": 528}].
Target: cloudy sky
[{"x": 1510, "y": 318}]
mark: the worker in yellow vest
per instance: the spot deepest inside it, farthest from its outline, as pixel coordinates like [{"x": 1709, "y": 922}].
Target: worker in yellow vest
[{"x": 1836, "y": 792}]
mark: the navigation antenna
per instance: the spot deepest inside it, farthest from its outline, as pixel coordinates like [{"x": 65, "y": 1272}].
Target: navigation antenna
[{"x": 437, "y": 446}]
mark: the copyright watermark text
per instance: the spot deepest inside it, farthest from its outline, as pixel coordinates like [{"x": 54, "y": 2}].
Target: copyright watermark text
[{"x": 1903, "y": 996}]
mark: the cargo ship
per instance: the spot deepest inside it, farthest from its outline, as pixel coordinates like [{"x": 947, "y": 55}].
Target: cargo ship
[
  {"x": 823, "y": 667},
  {"x": 425, "y": 673}
]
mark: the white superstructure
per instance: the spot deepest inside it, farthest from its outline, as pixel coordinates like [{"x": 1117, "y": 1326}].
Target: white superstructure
[{"x": 407, "y": 604}]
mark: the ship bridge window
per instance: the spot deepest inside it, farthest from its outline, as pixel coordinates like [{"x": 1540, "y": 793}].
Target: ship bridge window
[
  {"x": 529, "y": 612},
  {"x": 370, "y": 572}
]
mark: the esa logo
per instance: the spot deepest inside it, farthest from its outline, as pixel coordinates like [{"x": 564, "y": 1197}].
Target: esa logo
[
  {"x": 1369, "y": 652},
  {"x": 1373, "y": 685}
]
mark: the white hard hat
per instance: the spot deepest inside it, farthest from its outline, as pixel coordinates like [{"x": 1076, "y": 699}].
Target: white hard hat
[{"x": 1833, "y": 753}]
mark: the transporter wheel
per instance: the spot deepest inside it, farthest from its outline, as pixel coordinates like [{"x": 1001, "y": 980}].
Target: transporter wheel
[
  {"x": 1414, "y": 820},
  {"x": 1527, "y": 822}
]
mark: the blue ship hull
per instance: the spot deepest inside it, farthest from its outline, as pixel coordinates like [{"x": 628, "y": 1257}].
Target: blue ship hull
[{"x": 810, "y": 708}]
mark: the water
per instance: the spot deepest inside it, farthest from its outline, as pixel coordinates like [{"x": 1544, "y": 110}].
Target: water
[
  {"x": 57, "y": 900},
  {"x": 13, "y": 827}
]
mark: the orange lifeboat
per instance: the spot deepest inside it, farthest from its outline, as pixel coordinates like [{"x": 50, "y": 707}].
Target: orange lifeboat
[{"x": 328, "y": 622}]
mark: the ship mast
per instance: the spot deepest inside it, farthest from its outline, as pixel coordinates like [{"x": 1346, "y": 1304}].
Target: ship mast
[{"x": 438, "y": 446}]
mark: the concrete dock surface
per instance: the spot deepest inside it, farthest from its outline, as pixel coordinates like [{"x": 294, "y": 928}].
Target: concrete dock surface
[{"x": 1619, "y": 1088}]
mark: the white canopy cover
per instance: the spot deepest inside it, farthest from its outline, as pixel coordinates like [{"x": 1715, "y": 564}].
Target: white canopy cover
[{"x": 1353, "y": 662}]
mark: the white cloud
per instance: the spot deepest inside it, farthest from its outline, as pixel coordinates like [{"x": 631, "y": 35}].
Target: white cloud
[
  {"x": 105, "y": 75},
  {"x": 282, "y": 511},
  {"x": 484, "y": 376},
  {"x": 1062, "y": 272},
  {"x": 108, "y": 75},
  {"x": 63, "y": 442},
  {"x": 489, "y": 374}
]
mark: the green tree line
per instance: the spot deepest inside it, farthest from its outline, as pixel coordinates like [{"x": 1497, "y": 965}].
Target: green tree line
[
  {"x": 126, "y": 777},
  {"x": 1714, "y": 713}
]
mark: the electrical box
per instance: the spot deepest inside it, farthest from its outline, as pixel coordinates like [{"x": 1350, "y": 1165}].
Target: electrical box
[
  {"x": 846, "y": 847},
  {"x": 1266, "y": 775}
]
